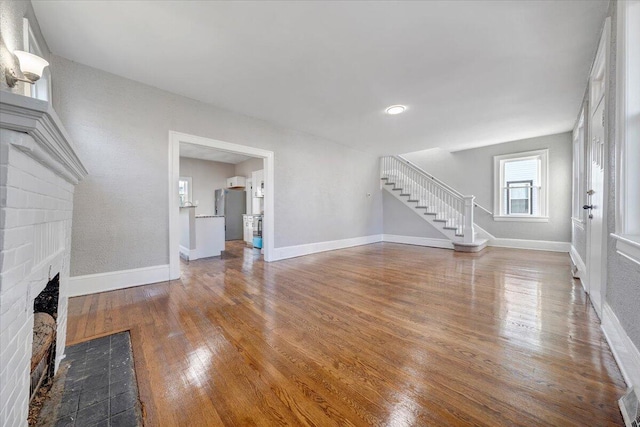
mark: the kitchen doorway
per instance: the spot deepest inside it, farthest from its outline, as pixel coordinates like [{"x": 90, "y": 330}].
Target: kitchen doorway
[{"x": 175, "y": 140}]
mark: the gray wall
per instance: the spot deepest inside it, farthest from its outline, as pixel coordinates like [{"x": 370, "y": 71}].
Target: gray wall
[
  {"x": 623, "y": 275},
  {"x": 206, "y": 177},
  {"x": 121, "y": 127},
  {"x": 245, "y": 168},
  {"x": 471, "y": 172},
  {"x": 400, "y": 220}
]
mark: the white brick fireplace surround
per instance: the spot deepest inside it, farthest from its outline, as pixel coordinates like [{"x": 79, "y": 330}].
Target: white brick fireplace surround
[{"x": 38, "y": 172}]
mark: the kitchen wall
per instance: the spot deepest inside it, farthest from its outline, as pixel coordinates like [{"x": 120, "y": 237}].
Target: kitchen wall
[
  {"x": 206, "y": 177},
  {"x": 471, "y": 172},
  {"x": 121, "y": 129},
  {"x": 245, "y": 168}
]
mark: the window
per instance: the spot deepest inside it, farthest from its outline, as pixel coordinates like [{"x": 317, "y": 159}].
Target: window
[
  {"x": 41, "y": 89},
  {"x": 184, "y": 190},
  {"x": 519, "y": 197},
  {"x": 627, "y": 231},
  {"x": 520, "y": 192}
]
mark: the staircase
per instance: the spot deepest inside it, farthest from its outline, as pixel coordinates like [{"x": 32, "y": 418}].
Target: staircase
[{"x": 434, "y": 201}]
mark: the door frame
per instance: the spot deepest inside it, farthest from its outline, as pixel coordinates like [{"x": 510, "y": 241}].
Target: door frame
[
  {"x": 175, "y": 138},
  {"x": 600, "y": 67}
]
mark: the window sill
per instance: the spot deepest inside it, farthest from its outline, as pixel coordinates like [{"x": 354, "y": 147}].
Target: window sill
[
  {"x": 628, "y": 246},
  {"x": 521, "y": 218}
]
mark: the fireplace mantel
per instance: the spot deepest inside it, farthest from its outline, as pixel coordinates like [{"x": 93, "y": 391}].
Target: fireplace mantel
[
  {"x": 39, "y": 170},
  {"x": 38, "y": 119}
]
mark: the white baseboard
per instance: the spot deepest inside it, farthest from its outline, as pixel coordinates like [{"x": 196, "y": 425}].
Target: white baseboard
[
  {"x": 536, "y": 245},
  {"x": 577, "y": 261},
  {"x": 331, "y": 245},
  {"x": 418, "y": 241},
  {"x": 186, "y": 253},
  {"x": 103, "y": 282},
  {"x": 625, "y": 352}
]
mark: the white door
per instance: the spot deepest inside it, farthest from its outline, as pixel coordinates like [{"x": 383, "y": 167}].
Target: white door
[
  {"x": 596, "y": 223},
  {"x": 595, "y": 199}
]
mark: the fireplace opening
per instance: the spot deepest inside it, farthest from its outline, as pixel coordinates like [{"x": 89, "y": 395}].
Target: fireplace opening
[{"x": 43, "y": 350}]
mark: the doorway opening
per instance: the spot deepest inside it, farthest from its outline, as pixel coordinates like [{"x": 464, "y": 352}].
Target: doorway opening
[{"x": 185, "y": 196}]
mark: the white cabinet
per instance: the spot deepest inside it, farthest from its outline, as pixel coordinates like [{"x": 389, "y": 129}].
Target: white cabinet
[
  {"x": 236, "y": 182},
  {"x": 257, "y": 179},
  {"x": 209, "y": 231},
  {"x": 248, "y": 228},
  {"x": 257, "y": 192}
]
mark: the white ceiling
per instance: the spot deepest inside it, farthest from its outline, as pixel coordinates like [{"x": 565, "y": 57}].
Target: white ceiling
[
  {"x": 472, "y": 73},
  {"x": 214, "y": 155}
]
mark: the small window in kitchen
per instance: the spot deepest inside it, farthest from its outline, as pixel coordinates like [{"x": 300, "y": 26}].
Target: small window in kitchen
[
  {"x": 521, "y": 186},
  {"x": 184, "y": 190}
]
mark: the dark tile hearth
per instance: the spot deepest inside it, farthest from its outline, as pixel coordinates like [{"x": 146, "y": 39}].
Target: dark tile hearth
[{"x": 99, "y": 387}]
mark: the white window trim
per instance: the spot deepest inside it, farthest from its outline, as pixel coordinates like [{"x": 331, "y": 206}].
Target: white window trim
[
  {"x": 543, "y": 196},
  {"x": 30, "y": 44},
  {"x": 627, "y": 231}
]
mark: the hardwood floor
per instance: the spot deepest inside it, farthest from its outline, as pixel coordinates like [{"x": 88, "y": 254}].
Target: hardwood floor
[{"x": 383, "y": 334}]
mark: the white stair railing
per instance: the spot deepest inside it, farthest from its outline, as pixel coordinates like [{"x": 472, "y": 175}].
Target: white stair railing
[{"x": 446, "y": 204}]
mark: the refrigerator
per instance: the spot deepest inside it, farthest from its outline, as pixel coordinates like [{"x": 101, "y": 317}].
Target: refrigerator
[{"x": 231, "y": 204}]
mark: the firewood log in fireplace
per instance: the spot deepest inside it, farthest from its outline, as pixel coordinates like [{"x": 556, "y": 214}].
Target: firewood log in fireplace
[{"x": 42, "y": 349}]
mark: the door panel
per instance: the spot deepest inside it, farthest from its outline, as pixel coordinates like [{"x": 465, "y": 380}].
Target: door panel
[{"x": 595, "y": 225}]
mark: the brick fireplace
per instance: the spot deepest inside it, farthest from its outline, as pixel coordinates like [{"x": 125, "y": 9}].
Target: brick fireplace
[{"x": 38, "y": 172}]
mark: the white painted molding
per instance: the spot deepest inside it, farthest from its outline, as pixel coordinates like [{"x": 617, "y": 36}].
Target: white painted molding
[
  {"x": 514, "y": 218},
  {"x": 582, "y": 269},
  {"x": 578, "y": 222},
  {"x": 38, "y": 119},
  {"x": 185, "y": 252},
  {"x": 418, "y": 241},
  {"x": 103, "y": 282},
  {"x": 331, "y": 245},
  {"x": 481, "y": 233},
  {"x": 625, "y": 352},
  {"x": 536, "y": 245},
  {"x": 628, "y": 247}
]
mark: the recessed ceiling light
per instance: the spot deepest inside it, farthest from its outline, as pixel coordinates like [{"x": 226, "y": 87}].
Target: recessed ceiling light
[{"x": 395, "y": 109}]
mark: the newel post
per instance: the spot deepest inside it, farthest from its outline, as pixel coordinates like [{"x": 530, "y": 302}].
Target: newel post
[{"x": 469, "y": 232}]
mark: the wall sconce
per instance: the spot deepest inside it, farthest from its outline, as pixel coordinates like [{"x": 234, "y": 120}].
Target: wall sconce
[{"x": 31, "y": 66}]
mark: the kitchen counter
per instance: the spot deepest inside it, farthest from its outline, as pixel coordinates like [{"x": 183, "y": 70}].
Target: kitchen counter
[{"x": 202, "y": 235}]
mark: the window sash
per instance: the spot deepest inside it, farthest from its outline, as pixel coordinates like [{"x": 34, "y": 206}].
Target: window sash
[{"x": 517, "y": 187}]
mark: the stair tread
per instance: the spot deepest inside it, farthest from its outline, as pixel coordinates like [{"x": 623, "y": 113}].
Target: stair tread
[{"x": 449, "y": 224}]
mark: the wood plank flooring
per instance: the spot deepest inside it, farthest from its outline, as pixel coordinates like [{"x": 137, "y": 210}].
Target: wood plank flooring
[{"x": 383, "y": 334}]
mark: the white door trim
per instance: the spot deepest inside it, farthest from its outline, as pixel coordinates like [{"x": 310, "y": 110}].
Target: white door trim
[{"x": 175, "y": 138}]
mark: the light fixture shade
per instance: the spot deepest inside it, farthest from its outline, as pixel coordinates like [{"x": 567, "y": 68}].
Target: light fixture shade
[
  {"x": 395, "y": 109},
  {"x": 30, "y": 64}
]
